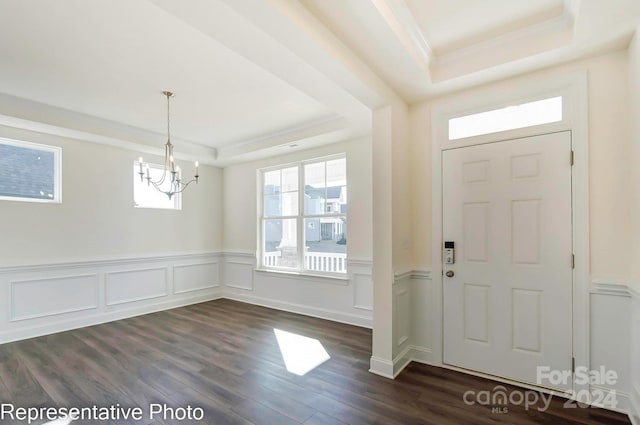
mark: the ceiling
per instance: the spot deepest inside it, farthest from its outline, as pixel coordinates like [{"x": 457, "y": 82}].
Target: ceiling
[{"x": 260, "y": 77}]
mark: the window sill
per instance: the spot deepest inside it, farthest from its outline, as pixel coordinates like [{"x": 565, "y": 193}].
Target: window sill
[{"x": 344, "y": 280}]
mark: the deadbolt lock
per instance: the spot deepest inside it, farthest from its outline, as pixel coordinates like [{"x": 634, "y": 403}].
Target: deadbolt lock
[{"x": 449, "y": 273}]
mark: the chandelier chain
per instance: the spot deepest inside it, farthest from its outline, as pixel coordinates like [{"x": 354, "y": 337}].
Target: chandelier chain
[{"x": 169, "y": 94}]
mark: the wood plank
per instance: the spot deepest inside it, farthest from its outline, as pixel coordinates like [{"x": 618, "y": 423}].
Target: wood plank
[{"x": 223, "y": 356}]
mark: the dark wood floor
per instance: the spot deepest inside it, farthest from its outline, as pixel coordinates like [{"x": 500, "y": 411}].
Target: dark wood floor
[{"x": 223, "y": 356}]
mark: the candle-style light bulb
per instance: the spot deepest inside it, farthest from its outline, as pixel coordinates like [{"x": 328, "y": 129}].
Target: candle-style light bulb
[{"x": 140, "y": 164}]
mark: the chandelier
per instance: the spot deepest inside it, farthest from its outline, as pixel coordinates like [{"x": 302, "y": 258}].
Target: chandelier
[{"x": 170, "y": 182}]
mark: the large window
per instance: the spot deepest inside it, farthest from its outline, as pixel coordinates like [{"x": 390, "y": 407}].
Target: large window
[
  {"x": 145, "y": 195},
  {"x": 304, "y": 216},
  {"x": 30, "y": 172}
]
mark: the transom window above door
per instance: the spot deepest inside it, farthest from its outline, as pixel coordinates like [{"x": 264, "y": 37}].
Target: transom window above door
[{"x": 512, "y": 117}]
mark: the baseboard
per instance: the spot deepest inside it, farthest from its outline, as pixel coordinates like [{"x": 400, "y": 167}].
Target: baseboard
[
  {"x": 401, "y": 361},
  {"x": 634, "y": 405},
  {"x": 392, "y": 369},
  {"x": 622, "y": 398},
  {"x": 381, "y": 367},
  {"x": 422, "y": 355},
  {"x": 336, "y": 316},
  {"x": 83, "y": 322}
]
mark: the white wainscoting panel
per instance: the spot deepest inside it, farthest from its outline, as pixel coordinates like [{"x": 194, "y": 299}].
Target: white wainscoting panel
[
  {"x": 360, "y": 276},
  {"x": 413, "y": 318},
  {"x": 421, "y": 314},
  {"x": 135, "y": 285},
  {"x": 346, "y": 300},
  {"x": 238, "y": 270},
  {"x": 610, "y": 343},
  {"x": 47, "y": 298},
  {"x": 402, "y": 324},
  {"x": 402, "y": 313},
  {"x": 634, "y": 402},
  {"x": 195, "y": 277},
  {"x": 50, "y": 296},
  {"x": 362, "y": 291}
]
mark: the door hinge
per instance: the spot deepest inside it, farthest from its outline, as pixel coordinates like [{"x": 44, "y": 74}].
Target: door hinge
[
  {"x": 573, "y": 365},
  {"x": 571, "y": 158},
  {"x": 573, "y": 261}
]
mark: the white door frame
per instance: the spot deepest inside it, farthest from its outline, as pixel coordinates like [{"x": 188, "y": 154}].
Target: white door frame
[{"x": 573, "y": 89}]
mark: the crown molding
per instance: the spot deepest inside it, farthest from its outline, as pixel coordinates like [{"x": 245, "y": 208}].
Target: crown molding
[{"x": 28, "y": 115}]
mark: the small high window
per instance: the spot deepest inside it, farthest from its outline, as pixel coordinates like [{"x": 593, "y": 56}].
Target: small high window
[
  {"x": 30, "y": 172},
  {"x": 145, "y": 195},
  {"x": 510, "y": 118}
]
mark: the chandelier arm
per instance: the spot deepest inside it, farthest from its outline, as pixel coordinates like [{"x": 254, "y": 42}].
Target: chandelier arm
[
  {"x": 184, "y": 186},
  {"x": 169, "y": 193},
  {"x": 161, "y": 180}
]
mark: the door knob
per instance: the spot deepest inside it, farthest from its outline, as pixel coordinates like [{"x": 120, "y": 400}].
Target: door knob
[{"x": 450, "y": 273}]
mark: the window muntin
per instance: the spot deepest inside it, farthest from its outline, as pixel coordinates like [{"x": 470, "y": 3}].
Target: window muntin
[
  {"x": 313, "y": 240},
  {"x": 146, "y": 195},
  {"x": 529, "y": 114},
  {"x": 30, "y": 172}
]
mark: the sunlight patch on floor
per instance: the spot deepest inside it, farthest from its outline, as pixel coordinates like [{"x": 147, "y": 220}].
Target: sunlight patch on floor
[{"x": 300, "y": 353}]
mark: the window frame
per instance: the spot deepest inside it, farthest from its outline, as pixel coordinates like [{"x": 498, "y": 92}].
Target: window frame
[
  {"x": 177, "y": 198},
  {"x": 57, "y": 171},
  {"x": 300, "y": 218}
]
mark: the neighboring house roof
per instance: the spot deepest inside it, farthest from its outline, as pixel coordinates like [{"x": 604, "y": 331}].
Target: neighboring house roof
[
  {"x": 26, "y": 173},
  {"x": 332, "y": 192}
]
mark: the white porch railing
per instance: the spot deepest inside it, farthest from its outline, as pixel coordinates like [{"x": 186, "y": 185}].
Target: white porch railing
[
  {"x": 271, "y": 258},
  {"x": 330, "y": 262}
]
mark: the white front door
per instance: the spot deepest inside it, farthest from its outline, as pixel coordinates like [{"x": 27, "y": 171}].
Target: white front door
[{"x": 508, "y": 300}]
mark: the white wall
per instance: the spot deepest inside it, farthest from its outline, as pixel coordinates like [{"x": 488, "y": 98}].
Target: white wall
[
  {"x": 94, "y": 257},
  {"x": 382, "y": 157},
  {"x": 611, "y": 239},
  {"x": 392, "y": 231},
  {"x": 634, "y": 90},
  {"x": 241, "y": 196},
  {"x": 634, "y": 94},
  {"x": 610, "y": 344},
  {"x": 402, "y": 184},
  {"x": 97, "y": 220},
  {"x": 609, "y": 166},
  {"x": 348, "y": 300}
]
